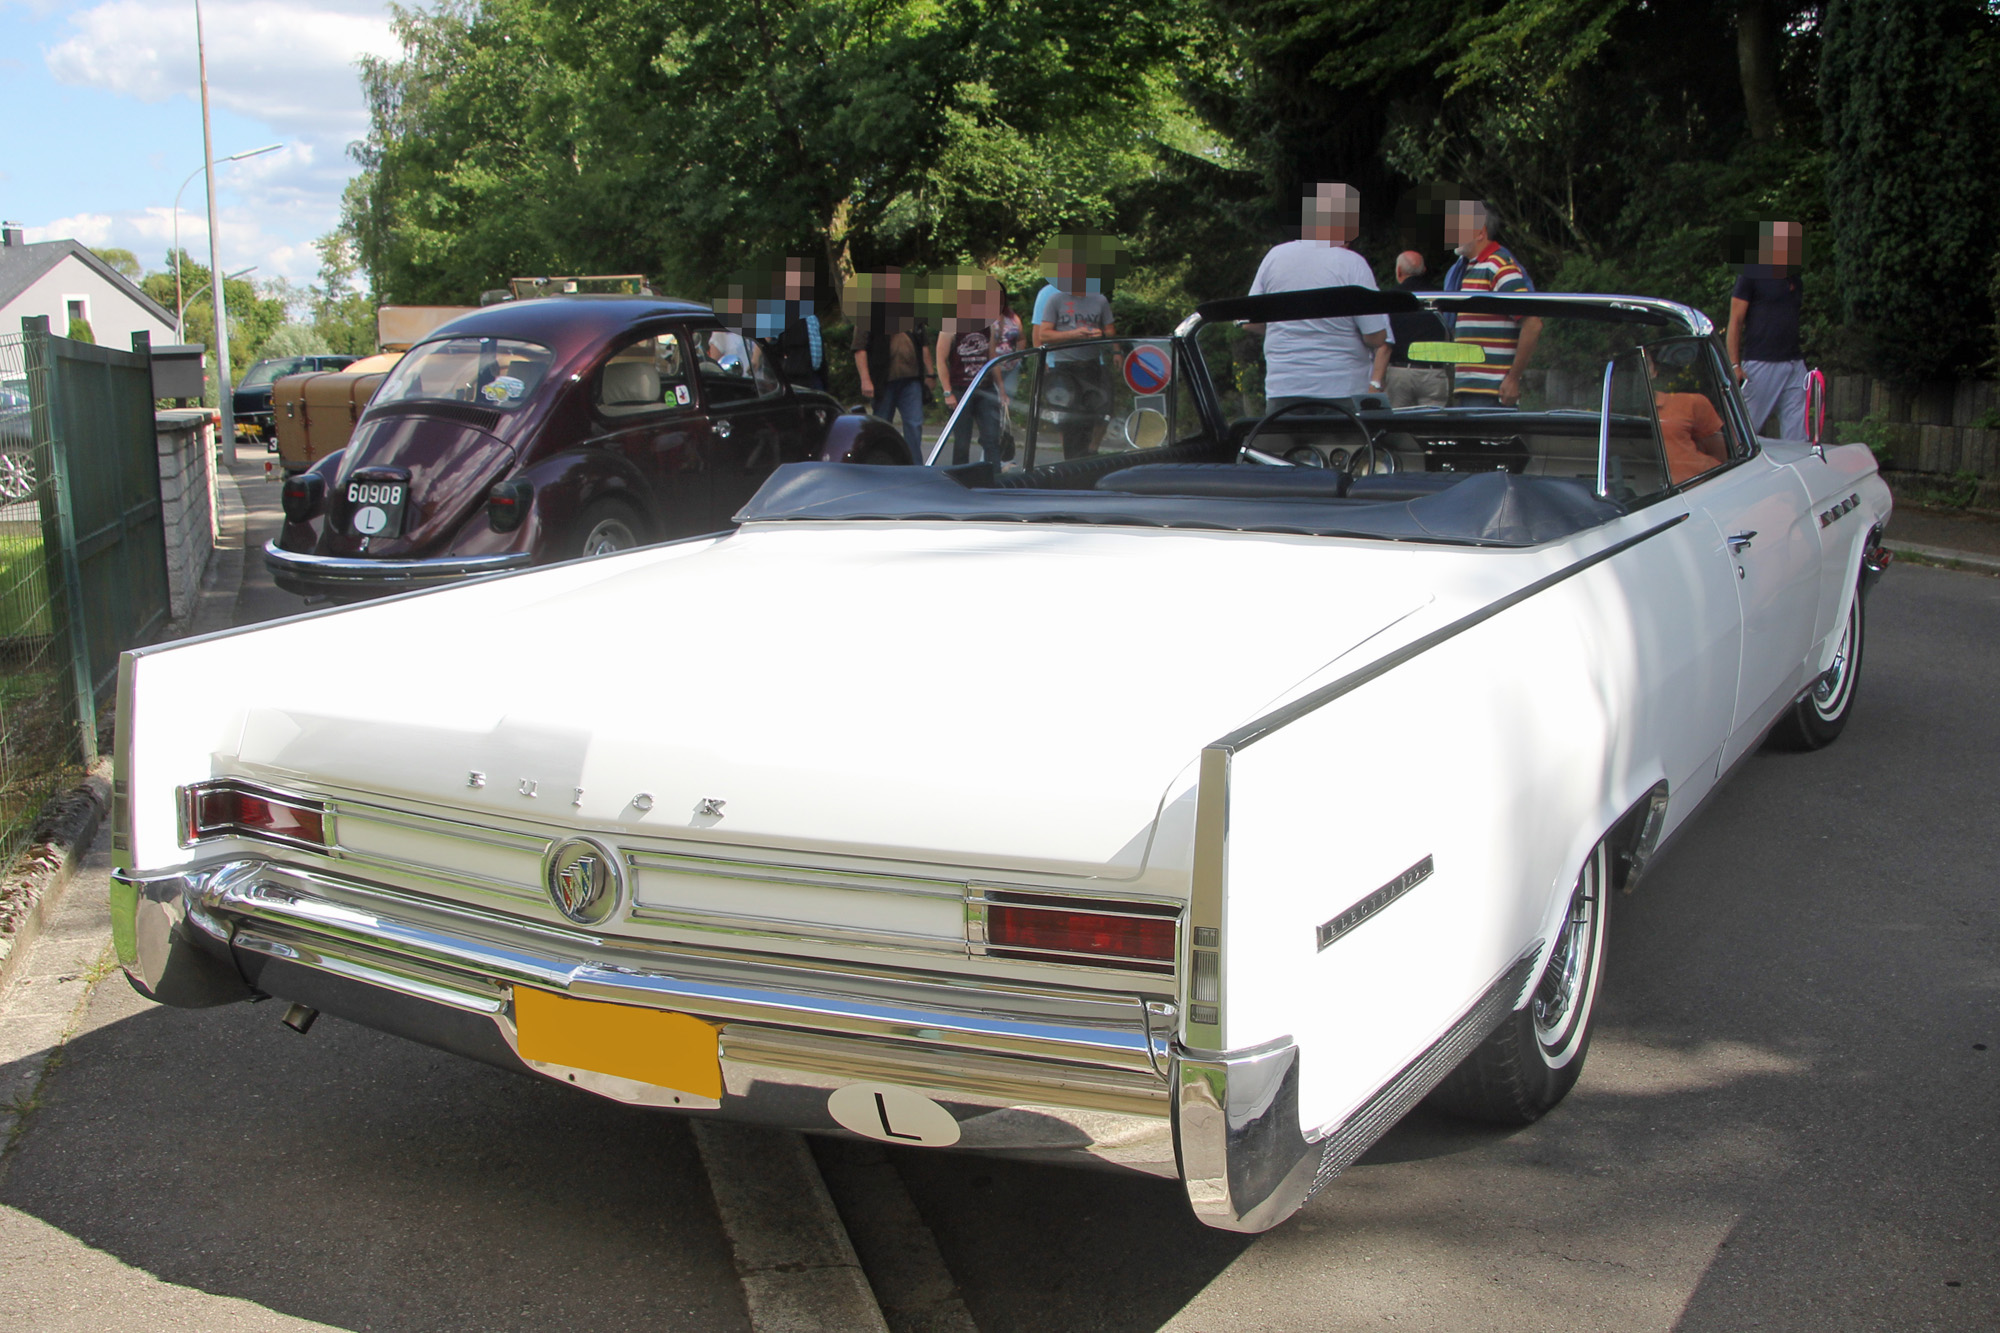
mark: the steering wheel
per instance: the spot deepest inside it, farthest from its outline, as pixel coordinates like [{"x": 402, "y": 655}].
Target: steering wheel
[{"x": 1367, "y": 436}]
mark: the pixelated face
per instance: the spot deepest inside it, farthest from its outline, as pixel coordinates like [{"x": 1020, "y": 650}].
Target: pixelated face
[
  {"x": 1331, "y": 212},
  {"x": 798, "y": 279},
  {"x": 1463, "y": 221},
  {"x": 1083, "y": 261},
  {"x": 1782, "y": 244}
]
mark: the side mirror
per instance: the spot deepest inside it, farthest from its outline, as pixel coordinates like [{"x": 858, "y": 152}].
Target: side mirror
[{"x": 1816, "y": 412}]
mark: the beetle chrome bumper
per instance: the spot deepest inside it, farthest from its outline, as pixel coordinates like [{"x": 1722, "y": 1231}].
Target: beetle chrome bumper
[
  {"x": 312, "y": 575},
  {"x": 1076, "y": 1078}
]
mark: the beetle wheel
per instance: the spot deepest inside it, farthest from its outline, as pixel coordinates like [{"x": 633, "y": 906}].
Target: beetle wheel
[
  {"x": 1532, "y": 1060},
  {"x": 607, "y": 528}
]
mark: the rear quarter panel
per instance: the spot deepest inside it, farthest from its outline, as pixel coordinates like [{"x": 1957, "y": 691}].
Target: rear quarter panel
[{"x": 1503, "y": 754}]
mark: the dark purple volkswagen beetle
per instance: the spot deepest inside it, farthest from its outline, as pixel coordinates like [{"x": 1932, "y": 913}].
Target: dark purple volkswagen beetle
[{"x": 537, "y": 431}]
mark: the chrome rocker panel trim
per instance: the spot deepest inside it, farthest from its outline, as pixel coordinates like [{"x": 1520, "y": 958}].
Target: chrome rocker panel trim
[
  {"x": 1247, "y": 1162},
  {"x": 303, "y": 571}
]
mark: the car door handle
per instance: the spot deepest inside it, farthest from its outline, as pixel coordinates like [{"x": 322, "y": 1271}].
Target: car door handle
[
  {"x": 1740, "y": 543},
  {"x": 723, "y": 430}
]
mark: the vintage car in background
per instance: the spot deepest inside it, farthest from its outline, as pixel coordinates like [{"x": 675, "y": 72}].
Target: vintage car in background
[
  {"x": 537, "y": 431},
  {"x": 1178, "y": 809},
  {"x": 251, "y": 399}
]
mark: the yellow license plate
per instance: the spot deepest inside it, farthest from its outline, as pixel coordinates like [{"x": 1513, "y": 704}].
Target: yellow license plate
[{"x": 655, "y": 1046}]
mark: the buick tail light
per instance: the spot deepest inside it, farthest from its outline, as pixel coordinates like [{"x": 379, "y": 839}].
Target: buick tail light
[
  {"x": 233, "y": 810},
  {"x": 1094, "y": 932}
]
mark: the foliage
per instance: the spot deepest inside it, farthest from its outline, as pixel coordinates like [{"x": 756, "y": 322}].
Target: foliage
[
  {"x": 686, "y": 140},
  {"x": 79, "y": 330},
  {"x": 1911, "y": 92},
  {"x": 294, "y": 340},
  {"x": 1958, "y": 491},
  {"x": 342, "y": 314},
  {"x": 1615, "y": 140},
  {"x": 123, "y": 262}
]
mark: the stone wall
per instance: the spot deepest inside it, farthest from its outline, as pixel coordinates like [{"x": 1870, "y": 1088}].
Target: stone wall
[
  {"x": 187, "y": 501},
  {"x": 1943, "y": 428}
]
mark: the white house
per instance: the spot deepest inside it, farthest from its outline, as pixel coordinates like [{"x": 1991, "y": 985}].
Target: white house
[{"x": 64, "y": 280}]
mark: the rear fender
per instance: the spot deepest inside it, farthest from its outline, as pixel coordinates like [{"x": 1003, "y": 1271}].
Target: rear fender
[
  {"x": 854, "y": 438},
  {"x": 305, "y": 536},
  {"x": 567, "y": 485}
]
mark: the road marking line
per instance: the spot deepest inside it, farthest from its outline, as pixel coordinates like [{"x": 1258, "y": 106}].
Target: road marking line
[{"x": 793, "y": 1256}]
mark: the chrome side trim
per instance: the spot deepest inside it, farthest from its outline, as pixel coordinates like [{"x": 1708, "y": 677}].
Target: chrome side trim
[
  {"x": 1252, "y": 732},
  {"x": 360, "y": 570},
  {"x": 1345, "y": 1143},
  {"x": 1246, "y": 1162}
]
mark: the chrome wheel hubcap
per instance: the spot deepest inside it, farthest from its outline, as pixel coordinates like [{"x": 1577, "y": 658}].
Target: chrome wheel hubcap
[
  {"x": 1562, "y": 997},
  {"x": 608, "y": 536}
]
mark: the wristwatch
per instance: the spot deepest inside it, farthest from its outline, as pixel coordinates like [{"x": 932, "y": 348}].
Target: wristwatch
[{"x": 1374, "y": 384}]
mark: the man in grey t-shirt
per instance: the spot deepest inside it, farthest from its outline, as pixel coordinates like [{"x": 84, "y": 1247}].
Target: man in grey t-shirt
[
  {"x": 1322, "y": 358},
  {"x": 1078, "y": 388}
]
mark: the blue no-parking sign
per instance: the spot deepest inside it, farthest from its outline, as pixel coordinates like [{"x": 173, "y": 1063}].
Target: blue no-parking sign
[{"x": 1148, "y": 368}]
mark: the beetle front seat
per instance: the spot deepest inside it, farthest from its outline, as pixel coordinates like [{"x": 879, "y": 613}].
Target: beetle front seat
[{"x": 630, "y": 384}]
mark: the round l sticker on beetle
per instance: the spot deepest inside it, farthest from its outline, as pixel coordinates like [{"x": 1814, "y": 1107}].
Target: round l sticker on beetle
[
  {"x": 369, "y": 520},
  {"x": 892, "y": 1114},
  {"x": 1148, "y": 368}
]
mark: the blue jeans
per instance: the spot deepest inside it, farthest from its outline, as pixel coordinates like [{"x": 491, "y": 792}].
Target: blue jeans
[
  {"x": 905, "y": 397},
  {"x": 981, "y": 414}
]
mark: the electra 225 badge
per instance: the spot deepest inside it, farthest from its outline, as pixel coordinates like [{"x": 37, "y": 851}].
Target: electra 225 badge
[{"x": 584, "y": 882}]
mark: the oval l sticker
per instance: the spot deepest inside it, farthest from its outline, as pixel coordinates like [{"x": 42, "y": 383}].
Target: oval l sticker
[{"x": 889, "y": 1114}]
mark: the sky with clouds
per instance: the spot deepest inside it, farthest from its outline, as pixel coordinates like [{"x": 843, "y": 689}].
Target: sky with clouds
[{"x": 103, "y": 114}]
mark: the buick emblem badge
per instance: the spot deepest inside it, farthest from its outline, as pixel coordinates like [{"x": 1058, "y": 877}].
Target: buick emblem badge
[{"x": 584, "y": 881}]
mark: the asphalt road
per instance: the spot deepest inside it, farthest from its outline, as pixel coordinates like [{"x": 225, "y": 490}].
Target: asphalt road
[{"x": 1790, "y": 1119}]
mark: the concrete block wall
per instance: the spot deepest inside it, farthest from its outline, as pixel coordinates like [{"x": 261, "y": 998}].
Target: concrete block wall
[
  {"x": 187, "y": 502},
  {"x": 1944, "y": 427}
]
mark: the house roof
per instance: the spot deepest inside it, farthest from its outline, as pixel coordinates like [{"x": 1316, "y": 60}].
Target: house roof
[{"x": 22, "y": 265}]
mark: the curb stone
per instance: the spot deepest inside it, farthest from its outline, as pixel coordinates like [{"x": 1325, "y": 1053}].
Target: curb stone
[
  {"x": 1950, "y": 559},
  {"x": 31, "y": 891}
]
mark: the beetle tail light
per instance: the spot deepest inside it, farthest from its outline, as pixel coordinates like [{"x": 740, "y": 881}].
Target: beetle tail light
[
  {"x": 1094, "y": 932},
  {"x": 507, "y": 503},
  {"x": 303, "y": 497},
  {"x": 231, "y": 810}
]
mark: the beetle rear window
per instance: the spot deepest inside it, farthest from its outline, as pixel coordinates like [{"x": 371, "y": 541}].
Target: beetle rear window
[{"x": 491, "y": 372}]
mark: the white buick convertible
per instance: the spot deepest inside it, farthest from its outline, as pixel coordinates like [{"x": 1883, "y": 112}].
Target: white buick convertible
[{"x": 1151, "y": 781}]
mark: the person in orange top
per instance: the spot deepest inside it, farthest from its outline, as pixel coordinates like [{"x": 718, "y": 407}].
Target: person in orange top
[{"x": 1691, "y": 430}]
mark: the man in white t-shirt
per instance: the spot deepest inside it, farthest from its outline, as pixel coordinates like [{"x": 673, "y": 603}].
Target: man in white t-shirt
[{"x": 1322, "y": 358}]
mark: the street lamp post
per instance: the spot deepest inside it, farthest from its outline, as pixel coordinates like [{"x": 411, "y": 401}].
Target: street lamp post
[{"x": 180, "y": 305}]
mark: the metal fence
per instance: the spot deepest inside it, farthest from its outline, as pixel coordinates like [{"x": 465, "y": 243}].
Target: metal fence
[
  {"x": 40, "y": 752},
  {"x": 83, "y": 571}
]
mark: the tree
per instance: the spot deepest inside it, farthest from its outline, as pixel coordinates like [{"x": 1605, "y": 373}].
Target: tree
[
  {"x": 343, "y": 316},
  {"x": 1911, "y": 94},
  {"x": 124, "y": 262},
  {"x": 685, "y": 139}
]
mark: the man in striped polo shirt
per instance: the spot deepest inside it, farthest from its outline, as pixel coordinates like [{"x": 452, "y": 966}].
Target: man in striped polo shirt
[{"x": 1508, "y": 341}]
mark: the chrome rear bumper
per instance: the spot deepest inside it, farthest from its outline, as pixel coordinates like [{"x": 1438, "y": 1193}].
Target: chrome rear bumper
[
  {"x": 312, "y": 575},
  {"x": 1074, "y": 1077}
]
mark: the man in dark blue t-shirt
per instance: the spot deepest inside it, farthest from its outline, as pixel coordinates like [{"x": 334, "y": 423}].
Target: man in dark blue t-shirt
[{"x": 1764, "y": 332}]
